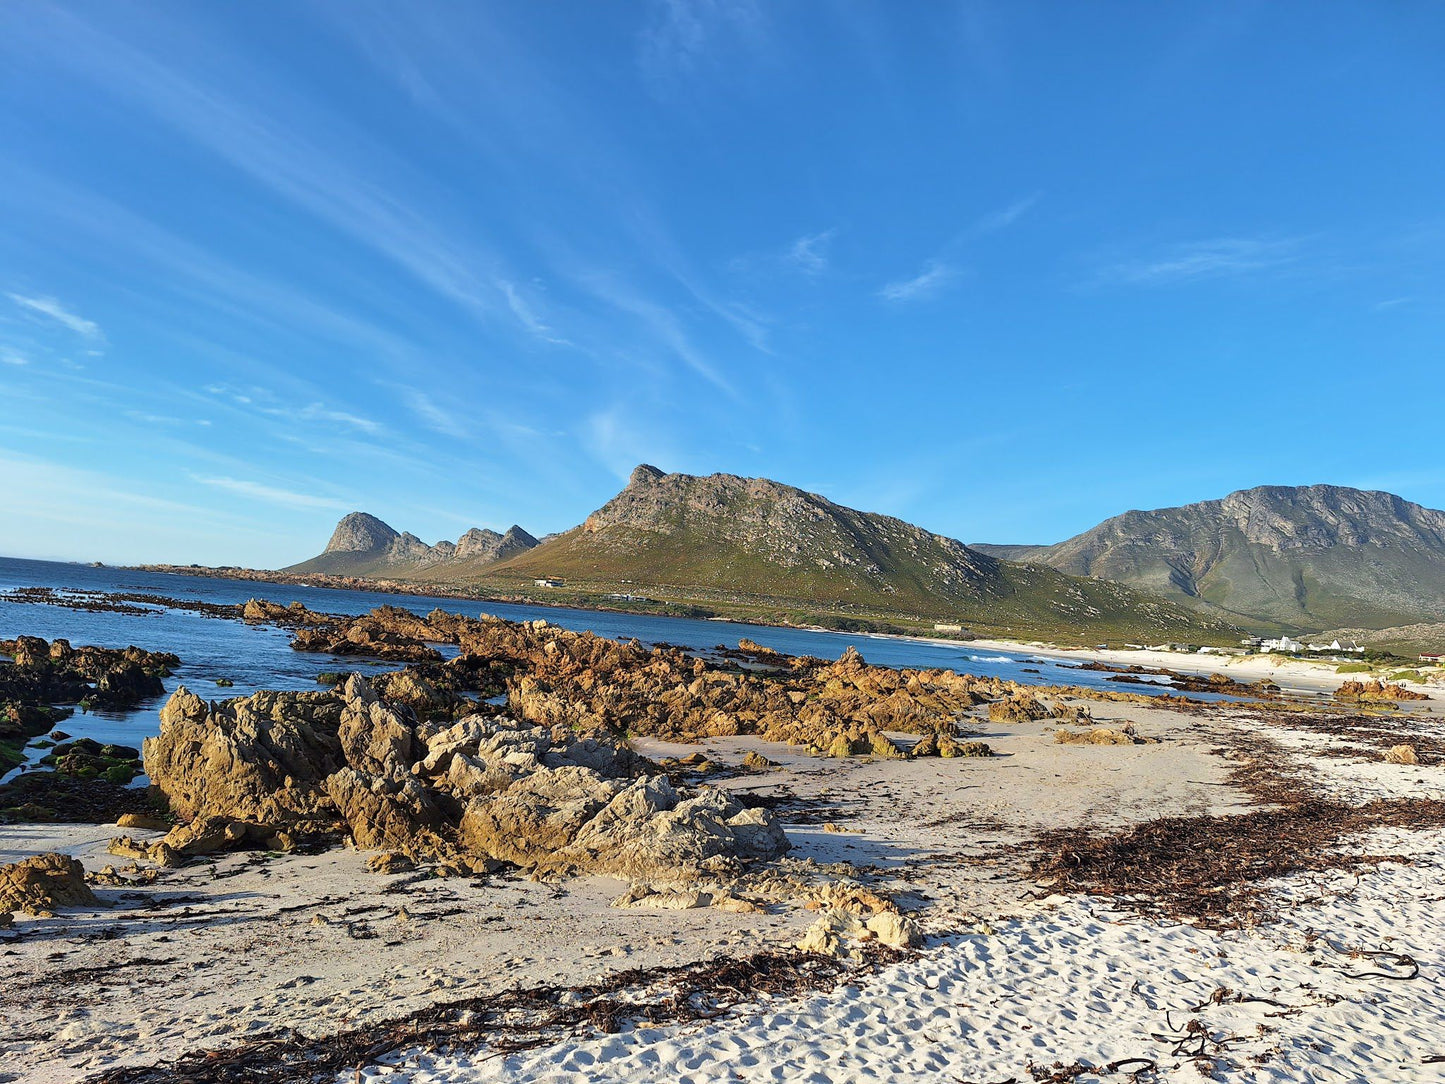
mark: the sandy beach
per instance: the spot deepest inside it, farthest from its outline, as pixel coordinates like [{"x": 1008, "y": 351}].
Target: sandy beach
[{"x": 254, "y": 943}]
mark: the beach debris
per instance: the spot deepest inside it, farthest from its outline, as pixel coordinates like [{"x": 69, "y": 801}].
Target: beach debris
[
  {"x": 520, "y": 1019},
  {"x": 1401, "y": 754},
  {"x": 1214, "y": 870},
  {"x": 43, "y": 883}
]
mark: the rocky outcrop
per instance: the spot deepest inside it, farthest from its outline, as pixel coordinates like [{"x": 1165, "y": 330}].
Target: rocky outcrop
[
  {"x": 1377, "y": 690},
  {"x": 388, "y": 632},
  {"x": 42, "y": 884},
  {"x": 56, "y": 673},
  {"x": 276, "y": 768},
  {"x": 262, "y": 758},
  {"x": 44, "y": 675},
  {"x": 1402, "y": 754},
  {"x": 1100, "y": 735}
]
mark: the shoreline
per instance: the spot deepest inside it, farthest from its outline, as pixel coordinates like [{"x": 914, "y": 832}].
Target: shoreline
[{"x": 1292, "y": 674}]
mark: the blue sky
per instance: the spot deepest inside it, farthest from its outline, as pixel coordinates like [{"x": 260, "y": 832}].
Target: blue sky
[{"x": 1001, "y": 270}]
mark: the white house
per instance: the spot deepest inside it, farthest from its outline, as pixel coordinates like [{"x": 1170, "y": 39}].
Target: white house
[
  {"x": 1338, "y": 645},
  {"x": 1284, "y": 644}
]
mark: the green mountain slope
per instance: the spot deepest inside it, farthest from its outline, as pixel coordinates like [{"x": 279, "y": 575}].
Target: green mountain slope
[
  {"x": 1309, "y": 556},
  {"x": 723, "y": 537}
]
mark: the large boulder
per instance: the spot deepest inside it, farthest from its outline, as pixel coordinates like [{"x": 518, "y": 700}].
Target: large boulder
[
  {"x": 533, "y": 820},
  {"x": 646, "y": 833},
  {"x": 41, "y": 884},
  {"x": 260, "y": 758}
]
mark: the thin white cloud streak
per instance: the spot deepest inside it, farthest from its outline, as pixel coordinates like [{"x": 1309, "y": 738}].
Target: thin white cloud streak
[
  {"x": 12, "y": 357},
  {"x": 1217, "y": 258},
  {"x": 527, "y": 315},
  {"x": 1005, "y": 217},
  {"x": 257, "y": 491},
  {"x": 942, "y": 270},
  {"x": 682, "y": 34},
  {"x": 661, "y": 325},
  {"x": 263, "y": 401},
  {"x": 48, "y": 306},
  {"x": 290, "y": 164},
  {"x": 809, "y": 253},
  {"x": 927, "y": 283},
  {"x": 431, "y": 415}
]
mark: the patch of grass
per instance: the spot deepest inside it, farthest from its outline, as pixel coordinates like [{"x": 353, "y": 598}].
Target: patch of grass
[
  {"x": 1353, "y": 668},
  {"x": 1408, "y": 675}
]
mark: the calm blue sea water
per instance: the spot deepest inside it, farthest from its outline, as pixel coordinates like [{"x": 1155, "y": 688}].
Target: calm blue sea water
[{"x": 259, "y": 657}]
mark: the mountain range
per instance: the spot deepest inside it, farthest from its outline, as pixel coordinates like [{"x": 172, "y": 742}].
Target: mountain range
[
  {"x": 1303, "y": 556},
  {"x": 773, "y": 548},
  {"x": 363, "y": 545},
  {"x": 1298, "y": 557}
]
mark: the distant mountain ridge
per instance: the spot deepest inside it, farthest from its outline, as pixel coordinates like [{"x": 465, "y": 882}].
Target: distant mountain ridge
[
  {"x": 1311, "y": 556},
  {"x": 363, "y": 545},
  {"x": 756, "y": 538}
]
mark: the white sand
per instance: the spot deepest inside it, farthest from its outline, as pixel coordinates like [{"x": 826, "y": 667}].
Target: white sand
[
  {"x": 1050, "y": 982},
  {"x": 1301, "y": 676},
  {"x": 1077, "y": 981}
]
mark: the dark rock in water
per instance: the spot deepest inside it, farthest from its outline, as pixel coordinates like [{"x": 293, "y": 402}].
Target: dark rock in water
[{"x": 56, "y": 798}]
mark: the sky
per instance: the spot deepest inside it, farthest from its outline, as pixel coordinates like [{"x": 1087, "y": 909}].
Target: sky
[{"x": 1002, "y": 270}]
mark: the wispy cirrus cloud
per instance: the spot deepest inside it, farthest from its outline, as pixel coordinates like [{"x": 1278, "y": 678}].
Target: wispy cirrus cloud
[
  {"x": 527, "y": 315},
  {"x": 809, "y": 253},
  {"x": 262, "y": 401},
  {"x": 680, "y": 34},
  {"x": 269, "y": 494},
  {"x": 50, "y": 307},
  {"x": 433, "y": 416},
  {"x": 929, "y": 282},
  {"x": 944, "y": 269},
  {"x": 9, "y": 356},
  {"x": 1005, "y": 217},
  {"x": 1219, "y": 257}
]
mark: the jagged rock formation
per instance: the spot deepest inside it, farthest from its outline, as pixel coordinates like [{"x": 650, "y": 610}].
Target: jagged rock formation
[
  {"x": 275, "y": 768},
  {"x": 363, "y": 545},
  {"x": 554, "y": 677},
  {"x": 752, "y": 538},
  {"x": 1308, "y": 556},
  {"x": 43, "y": 883}
]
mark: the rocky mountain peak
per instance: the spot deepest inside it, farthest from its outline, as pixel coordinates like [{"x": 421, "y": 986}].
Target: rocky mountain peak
[
  {"x": 360, "y": 532},
  {"x": 363, "y": 545},
  {"x": 644, "y": 474}
]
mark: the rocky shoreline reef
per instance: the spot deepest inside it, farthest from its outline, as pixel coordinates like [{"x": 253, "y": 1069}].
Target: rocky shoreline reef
[
  {"x": 551, "y": 676},
  {"x": 43, "y": 681},
  {"x": 282, "y": 770}
]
